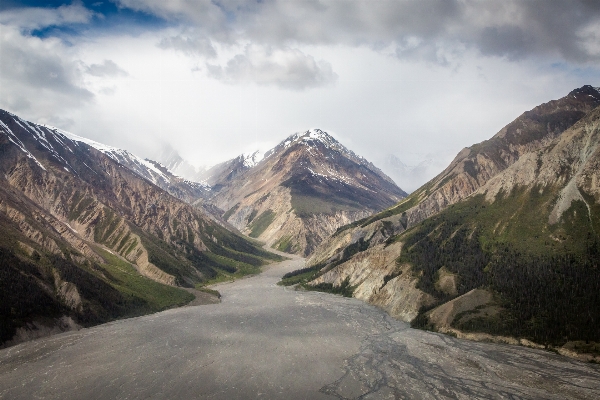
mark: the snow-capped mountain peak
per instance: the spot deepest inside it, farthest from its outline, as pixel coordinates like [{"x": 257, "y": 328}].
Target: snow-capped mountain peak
[
  {"x": 251, "y": 159},
  {"x": 309, "y": 136}
]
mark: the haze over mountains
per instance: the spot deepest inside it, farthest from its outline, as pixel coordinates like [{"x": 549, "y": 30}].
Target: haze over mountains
[
  {"x": 412, "y": 177},
  {"x": 502, "y": 245}
]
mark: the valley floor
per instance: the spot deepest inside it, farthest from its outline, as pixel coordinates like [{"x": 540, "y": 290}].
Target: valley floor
[{"x": 267, "y": 341}]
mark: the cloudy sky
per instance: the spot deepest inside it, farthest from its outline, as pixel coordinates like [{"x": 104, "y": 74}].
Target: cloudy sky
[{"x": 213, "y": 79}]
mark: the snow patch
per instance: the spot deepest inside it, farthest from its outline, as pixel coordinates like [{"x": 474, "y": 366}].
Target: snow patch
[{"x": 15, "y": 140}]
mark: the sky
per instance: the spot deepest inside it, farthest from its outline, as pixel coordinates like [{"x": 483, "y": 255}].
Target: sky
[{"x": 419, "y": 80}]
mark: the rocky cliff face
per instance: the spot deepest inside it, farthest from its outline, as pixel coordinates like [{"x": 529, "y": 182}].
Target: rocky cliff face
[
  {"x": 379, "y": 280},
  {"x": 505, "y": 241},
  {"x": 302, "y": 191},
  {"x": 67, "y": 208}
]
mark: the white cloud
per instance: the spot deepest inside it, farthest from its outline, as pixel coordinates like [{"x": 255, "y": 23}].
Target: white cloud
[
  {"x": 286, "y": 68},
  {"x": 189, "y": 44}
]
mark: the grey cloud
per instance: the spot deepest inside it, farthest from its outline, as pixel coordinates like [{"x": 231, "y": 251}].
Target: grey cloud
[
  {"x": 108, "y": 68},
  {"x": 39, "y": 17},
  {"x": 507, "y": 40},
  {"x": 423, "y": 51},
  {"x": 39, "y": 75},
  {"x": 509, "y": 28},
  {"x": 42, "y": 71},
  {"x": 286, "y": 68},
  {"x": 16, "y": 102},
  {"x": 55, "y": 120},
  {"x": 108, "y": 90}
]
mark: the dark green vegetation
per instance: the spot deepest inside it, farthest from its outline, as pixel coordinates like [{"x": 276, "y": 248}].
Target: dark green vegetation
[
  {"x": 344, "y": 289},
  {"x": 261, "y": 223},
  {"x": 128, "y": 280},
  {"x": 30, "y": 290},
  {"x": 546, "y": 277},
  {"x": 230, "y": 212},
  {"x": 304, "y": 275},
  {"x": 209, "y": 291},
  {"x": 284, "y": 244},
  {"x": 400, "y": 208}
]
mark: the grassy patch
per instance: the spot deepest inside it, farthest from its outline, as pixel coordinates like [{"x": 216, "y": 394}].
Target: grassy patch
[
  {"x": 128, "y": 281},
  {"x": 106, "y": 226},
  {"x": 284, "y": 244},
  {"x": 400, "y": 208},
  {"x": 403, "y": 206},
  {"x": 252, "y": 215},
  {"x": 305, "y": 206},
  {"x": 79, "y": 205},
  {"x": 261, "y": 223},
  {"x": 209, "y": 291},
  {"x": 230, "y": 212}
]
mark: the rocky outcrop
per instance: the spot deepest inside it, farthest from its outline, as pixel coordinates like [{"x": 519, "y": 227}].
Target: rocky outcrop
[{"x": 379, "y": 280}]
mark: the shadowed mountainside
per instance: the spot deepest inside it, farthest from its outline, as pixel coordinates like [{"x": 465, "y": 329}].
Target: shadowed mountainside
[{"x": 94, "y": 239}]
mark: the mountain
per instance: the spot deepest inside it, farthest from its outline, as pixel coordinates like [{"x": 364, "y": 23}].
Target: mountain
[
  {"x": 153, "y": 171},
  {"x": 171, "y": 159},
  {"x": 504, "y": 242},
  {"x": 224, "y": 173},
  {"x": 88, "y": 237},
  {"x": 301, "y": 191},
  {"x": 410, "y": 177}
]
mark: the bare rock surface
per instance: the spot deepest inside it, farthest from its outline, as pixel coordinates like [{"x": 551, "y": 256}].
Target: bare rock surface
[{"x": 266, "y": 341}]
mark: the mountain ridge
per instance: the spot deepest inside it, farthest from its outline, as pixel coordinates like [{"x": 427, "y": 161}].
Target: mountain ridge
[{"x": 505, "y": 235}]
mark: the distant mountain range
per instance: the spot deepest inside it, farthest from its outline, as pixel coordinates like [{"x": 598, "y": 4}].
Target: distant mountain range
[
  {"x": 177, "y": 165},
  {"x": 504, "y": 242}
]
